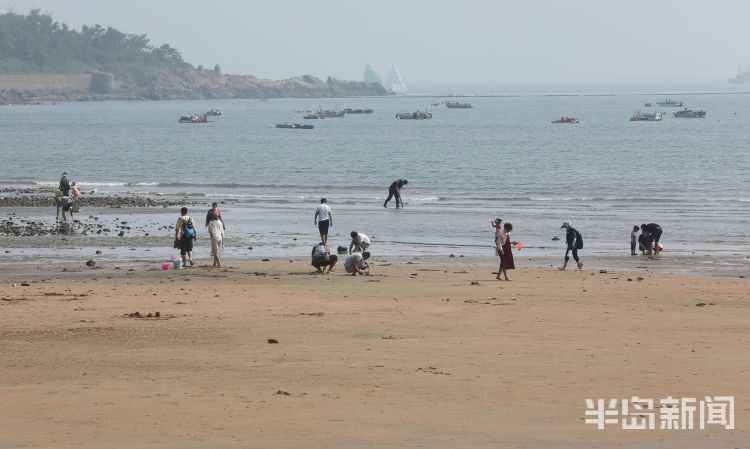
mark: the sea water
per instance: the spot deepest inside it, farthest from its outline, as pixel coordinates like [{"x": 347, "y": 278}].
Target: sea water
[{"x": 502, "y": 158}]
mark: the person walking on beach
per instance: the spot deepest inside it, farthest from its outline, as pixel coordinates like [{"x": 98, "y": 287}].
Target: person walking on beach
[
  {"x": 324, "y": 219},
  {"x": 503, "y": 247},
  {"x": 63, "y": 189},
  {"x": 185, "y": 229},
  {"x": 216, "y": 231},
  {"x": 322, "y": 257},
  {"x": 395, "y": 191},
  {"x": 355, "y": 264},
  {"x": 574, "y": 242},
  {"x": 360, "y": 242},
  {"x": 633, "y": 240},
  {"x": 214, "y": 211},
  {"x": 653, "y": 234},
  {"x": 67, "y": 207}
]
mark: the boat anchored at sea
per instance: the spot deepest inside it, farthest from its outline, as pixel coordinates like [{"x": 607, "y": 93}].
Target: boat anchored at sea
[
  {"x": 194, "y": 118},
  {"x": 639, "y": 116},
  {"x": 290, "y": 125},
  {"x": 414, "y": 115},
  {"x": 457, "y": 105},
  {"x": 569, "y": 119},
  {"x": 669, "y": 103},
  {"x": 687, "y": 113}
]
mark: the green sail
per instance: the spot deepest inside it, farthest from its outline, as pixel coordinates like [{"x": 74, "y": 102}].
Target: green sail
[{"x": 371, "y": 76}]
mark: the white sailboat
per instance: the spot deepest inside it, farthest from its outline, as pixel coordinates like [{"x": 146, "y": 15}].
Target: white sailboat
[{"x": 394, "y": 83}]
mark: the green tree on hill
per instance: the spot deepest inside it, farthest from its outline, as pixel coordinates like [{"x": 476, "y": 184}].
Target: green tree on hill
[{"x": 34, "y": 43}]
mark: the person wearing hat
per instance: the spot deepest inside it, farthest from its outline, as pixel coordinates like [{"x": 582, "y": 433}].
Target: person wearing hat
[
  {"x": 574, "y": 242},
  {"x": 395, "y": 191}
]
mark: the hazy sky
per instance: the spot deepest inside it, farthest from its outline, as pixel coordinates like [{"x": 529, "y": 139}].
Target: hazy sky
[{"x": 438, "y": 41}]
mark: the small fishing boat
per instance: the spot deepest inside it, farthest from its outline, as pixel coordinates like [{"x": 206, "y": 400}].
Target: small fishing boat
[
  {"x": 648, "y": 104},
  {"x": 457, "y": 105},
  {"x": 314, "y": 115},
  {"x": 570, "y": 119},
  {"x": 291, "y": 125},
  {"x": 437, "y": 103},
  {"x": 194, "y": 118},
  {"x": 669, "y": 103},
  {"x": 413, "y": 115},
  {"x": 213, "y": 112},
  {"x": 358, "y": 111},
  {"x": 687, "y": 113},
  {"x": 639, "y": 116},
  {"x": 330, "y": 113}
]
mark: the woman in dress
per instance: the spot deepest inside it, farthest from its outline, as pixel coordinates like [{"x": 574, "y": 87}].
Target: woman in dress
[
  {"x": 216, "y": 231},
  {"x": 503, "y": 244}
]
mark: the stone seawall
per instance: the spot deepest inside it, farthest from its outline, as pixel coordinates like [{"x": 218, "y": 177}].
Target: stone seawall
[{"x": 46, "y": 83}]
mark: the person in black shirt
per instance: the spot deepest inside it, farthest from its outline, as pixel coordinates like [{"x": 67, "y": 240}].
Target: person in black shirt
[
  {"x": 574, "y": 243},
  {"x": 653, "y": 234},
  {"x": 63, "y": 187},
  {"x": 395, "y": 191}
]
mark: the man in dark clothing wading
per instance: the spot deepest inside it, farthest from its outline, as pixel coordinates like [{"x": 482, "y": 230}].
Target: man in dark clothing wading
[{"x": 395, "y": 190}]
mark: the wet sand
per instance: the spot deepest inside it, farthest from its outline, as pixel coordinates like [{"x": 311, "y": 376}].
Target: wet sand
[{"x": 415, "y": 355}]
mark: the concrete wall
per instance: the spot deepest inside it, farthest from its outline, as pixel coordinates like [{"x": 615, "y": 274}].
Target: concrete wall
[{"x": 79, "y": 82}]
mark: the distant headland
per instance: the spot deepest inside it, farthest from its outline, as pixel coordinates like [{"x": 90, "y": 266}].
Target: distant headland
[{"x": 43, "y": 61}]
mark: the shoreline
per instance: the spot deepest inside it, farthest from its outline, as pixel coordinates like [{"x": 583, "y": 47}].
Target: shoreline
[
  {"x": 132, "y": 231},
  {"x": 687, "y": 266}
]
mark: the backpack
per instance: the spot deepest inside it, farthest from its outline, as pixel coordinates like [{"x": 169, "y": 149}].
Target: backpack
[
  {"x": 320, "y": 252},
  {"x": 187, "y": 228},
  {"x": 579, "y": 240}
]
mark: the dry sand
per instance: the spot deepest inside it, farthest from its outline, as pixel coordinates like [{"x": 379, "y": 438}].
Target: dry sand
[{"x": 411, "y": 356}]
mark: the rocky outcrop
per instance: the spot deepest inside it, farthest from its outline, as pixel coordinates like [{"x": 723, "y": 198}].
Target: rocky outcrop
[{"x": 178, "y": 85}]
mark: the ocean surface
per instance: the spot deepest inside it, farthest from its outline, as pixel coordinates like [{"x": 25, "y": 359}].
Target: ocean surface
[{"x": 502, "y": 158}]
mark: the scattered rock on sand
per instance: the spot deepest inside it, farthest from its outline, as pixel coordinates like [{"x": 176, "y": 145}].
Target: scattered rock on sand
[
  {"x": 341, "y": 249},
  {"x": 474, "y": 282},
  {"x": 90, "y": 263},
  {"x": 273, "y": 341}
]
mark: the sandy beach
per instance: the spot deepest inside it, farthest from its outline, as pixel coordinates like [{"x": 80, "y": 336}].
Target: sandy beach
[{"x": 415, "y": 355}]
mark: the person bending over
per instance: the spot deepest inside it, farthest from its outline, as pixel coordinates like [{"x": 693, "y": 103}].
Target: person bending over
[
  {"x": 355, "y": 264},
  {"x": 395, "y": 191},
  {"x": 360, "y": 242},
  {"x": 322, "y": 257}
]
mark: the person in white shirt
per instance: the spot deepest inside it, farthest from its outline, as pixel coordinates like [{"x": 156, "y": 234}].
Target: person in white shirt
[
  {"x": 360, "y": 242},
  {"x": 324, "y": 219}
]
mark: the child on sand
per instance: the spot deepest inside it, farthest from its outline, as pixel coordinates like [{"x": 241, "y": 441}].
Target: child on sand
[
  {"x": 76, "y": 192},
  {"x": 633, "y": 239},
  {"x": 503, "y": 244}
]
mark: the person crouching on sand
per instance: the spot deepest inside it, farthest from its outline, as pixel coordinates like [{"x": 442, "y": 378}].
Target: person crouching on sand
[
  {"x": 503, "y": 246},
  {"x": 355, "y": 264},
  {"x": 360, "y": 242},
  {"x": 322, "y": 257}
]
